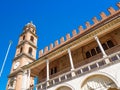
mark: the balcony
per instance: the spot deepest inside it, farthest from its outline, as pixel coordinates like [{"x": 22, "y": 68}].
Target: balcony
[
  {"x": 95, "y": 65},
  {"x": 88, "y": 65}
]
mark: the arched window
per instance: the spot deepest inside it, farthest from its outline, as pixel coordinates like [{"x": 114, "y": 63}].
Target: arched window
[
  {"x": 93, "y": 52},
  {"x": 24, "y": 37},
  {"x": 21, "y": 49},
  {"x": 88, "y": 54},
  {"x": 33, "y": 30},
  {"x": 98, "y": 50},
  {"x": 110, "y": 44},
  {"x": 30, "y": 51},
  {"x": 32, "y": 38},
  {"x": 104, "y": 46},
  {"x": 11, "y": 83},
  {"x": 51, "y": 71}
]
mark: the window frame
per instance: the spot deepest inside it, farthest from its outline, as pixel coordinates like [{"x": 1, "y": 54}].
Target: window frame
[
  {"x": 31, "y": 38},
  {"x": 30, "y": 50}
]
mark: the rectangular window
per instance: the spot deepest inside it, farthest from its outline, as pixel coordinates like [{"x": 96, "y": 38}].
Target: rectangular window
[{"x": 53, "y": 70}]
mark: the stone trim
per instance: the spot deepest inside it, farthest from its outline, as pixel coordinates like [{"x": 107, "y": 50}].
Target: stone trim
[
  {"x": 25, "y": 41},
  {"x": 105, "y": 19}
]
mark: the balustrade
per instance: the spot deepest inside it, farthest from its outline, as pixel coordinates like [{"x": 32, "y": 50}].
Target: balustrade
[{"x": 79, "y": 71}]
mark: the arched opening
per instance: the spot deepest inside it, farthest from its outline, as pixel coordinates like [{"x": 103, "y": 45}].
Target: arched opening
[
  {"x": 110, "y": 44},
  {"x": 21, "y": 49},
  {"x": 64, "y": 88},
  {"x": 93, "y": 52},
  {"x": 33, "y": 30},
  {"x": 98, "y": 82},
  {"x": 12, "y": 84},
  {"x": 30, "y": 51},
  {"x": 32, "y": 38},
  {"x": 88, "y": 54},
  {"x": 24, "y": 37}
]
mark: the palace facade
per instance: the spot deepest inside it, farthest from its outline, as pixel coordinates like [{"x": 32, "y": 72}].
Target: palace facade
[{"x": 87, "y": 60}]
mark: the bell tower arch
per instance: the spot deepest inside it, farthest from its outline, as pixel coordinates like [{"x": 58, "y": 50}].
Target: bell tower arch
[{"x": 25, "y": 54}]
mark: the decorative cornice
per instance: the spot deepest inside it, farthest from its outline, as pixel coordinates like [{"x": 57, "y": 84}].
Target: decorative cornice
[
  {"x": 14, "y": 73},
  {"x": 106, "y": 28},
  {"x": 30, "y": 32},
  {"x": 79, "y": 35},
  {"x": 104, "y": 19},
  {"x": 25, "y": 41},
  {"x": 105, "y": 25},
  {"x": 23, "y": 54}
]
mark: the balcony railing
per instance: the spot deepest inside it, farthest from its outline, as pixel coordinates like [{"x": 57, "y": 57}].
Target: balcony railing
[
  {"x": 84, "y": 62},
  {"x": 98, "y": 56},
  {"x": 96, "y": 64},
  {"x": 81, "y": 68}
]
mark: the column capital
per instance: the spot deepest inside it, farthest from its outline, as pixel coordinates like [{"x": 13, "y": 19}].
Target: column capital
[
  {"x": 69, "y": 51},
  {"x": 47, "y": 61},
  {"x": 95, "y": 36}
]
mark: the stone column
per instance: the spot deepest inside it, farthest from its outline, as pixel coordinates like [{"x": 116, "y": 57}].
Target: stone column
[
  {"x": 71, "y": 61},
  {"x": 47, "y": 62},
  {"x": 101, "y": 48},
  {"x": 19, "y": 79},
  {"x": 24, "y": 80},
  {"x": 28, "y": 78}
]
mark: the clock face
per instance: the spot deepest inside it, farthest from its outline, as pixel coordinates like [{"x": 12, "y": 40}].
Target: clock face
[{"x": 16, "y": 65}]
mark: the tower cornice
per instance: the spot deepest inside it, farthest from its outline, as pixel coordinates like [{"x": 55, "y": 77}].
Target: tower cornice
[
  {"x": 23, "y": 54},
  {"x": 30, "y": 32},
  {"x": 25, "y": 41},
  {"x": 19, "y": 71}
]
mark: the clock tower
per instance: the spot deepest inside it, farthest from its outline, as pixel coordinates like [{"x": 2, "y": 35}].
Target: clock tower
[{"x": 25, "y": 54}]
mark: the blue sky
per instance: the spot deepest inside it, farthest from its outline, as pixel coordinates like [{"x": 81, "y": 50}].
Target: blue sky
[{"x": 53, "y": 19}]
